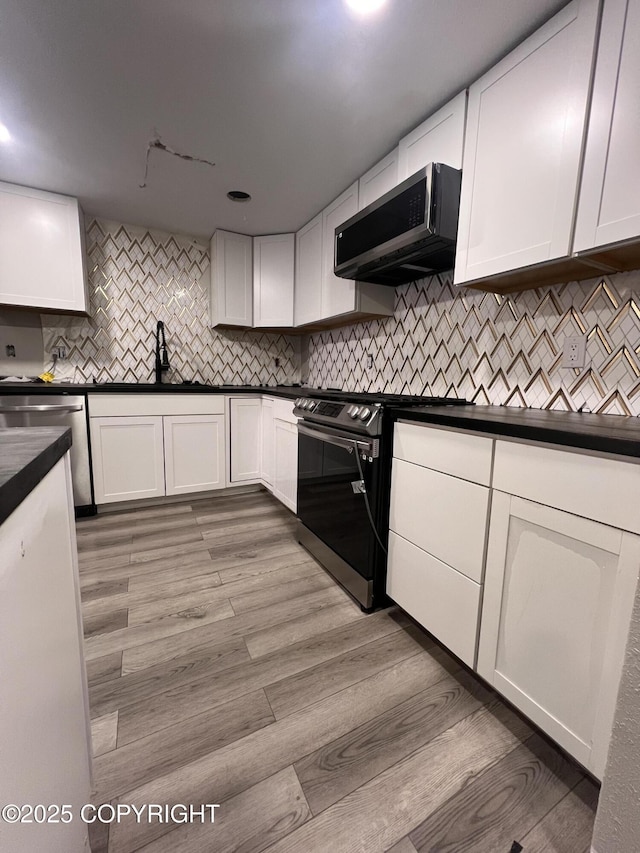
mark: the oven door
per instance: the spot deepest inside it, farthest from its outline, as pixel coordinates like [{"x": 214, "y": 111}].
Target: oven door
[{"x": 331, "y": 500}]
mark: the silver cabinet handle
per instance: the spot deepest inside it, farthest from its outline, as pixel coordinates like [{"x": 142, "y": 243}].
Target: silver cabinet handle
[
  {"x": 44, "y": 408},
  {"x": 347, "y": 443}
]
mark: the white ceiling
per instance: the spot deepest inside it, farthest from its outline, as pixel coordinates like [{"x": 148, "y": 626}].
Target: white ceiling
[{"x": 292, "y": 99}]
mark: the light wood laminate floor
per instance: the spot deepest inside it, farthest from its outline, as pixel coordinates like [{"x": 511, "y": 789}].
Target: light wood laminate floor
[{"x": 226, "y": 667}]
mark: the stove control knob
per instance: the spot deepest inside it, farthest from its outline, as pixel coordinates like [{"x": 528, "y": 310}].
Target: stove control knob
[
  {"x": 365, "y": 413},
  {"x": 352, "y": 411},
  {"x": 298, "y": 401},
  {"x": 311, "y": 404}
]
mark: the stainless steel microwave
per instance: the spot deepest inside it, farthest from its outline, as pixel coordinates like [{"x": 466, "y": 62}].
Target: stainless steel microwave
[{"x": 406, "y": 234}]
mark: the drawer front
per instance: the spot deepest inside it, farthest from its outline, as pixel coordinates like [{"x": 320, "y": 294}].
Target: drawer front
[
  {"x": 140, "y": 405},
  {"x": 443, "y": 515},
  {"x": 283, "y": 411},
  {"x": 593, "y": 487},
  {"x": 442, "y": 600},
  {"x": 449, "y": 451}
]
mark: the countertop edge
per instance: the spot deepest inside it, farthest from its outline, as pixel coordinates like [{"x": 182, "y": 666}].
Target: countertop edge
[
  {"x": 551, "y": 434},
  {"x": 74, "y": 390},
  {"x": 20, "y": 485}
]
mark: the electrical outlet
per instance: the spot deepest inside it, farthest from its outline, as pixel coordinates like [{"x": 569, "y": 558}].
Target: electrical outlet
[
  {"x": 59, "y": 352},
  {"x": 369, "y": 361},
  {"x": 574, "y": 351},
  {"x": 277, "y": 362}
]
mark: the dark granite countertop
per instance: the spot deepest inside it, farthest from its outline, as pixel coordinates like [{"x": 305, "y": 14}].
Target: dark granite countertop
[
  {"x": 72, "y": 388},
  {"x": 617, "y": 434},
  {"x": 27, "y": 454}
]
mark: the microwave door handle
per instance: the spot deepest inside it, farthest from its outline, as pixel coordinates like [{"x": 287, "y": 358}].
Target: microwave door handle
[
  {"x": 346, "y": 443},
  {"x": 41, "y": 409}
]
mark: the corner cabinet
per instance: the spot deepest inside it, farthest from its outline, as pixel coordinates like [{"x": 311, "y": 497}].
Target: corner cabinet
[
  {"x": 439, "y": 139},
  {"x": 42, "y": 252},
  {"x": 609, "y": 210},
  {"x": 561, "y": 573},
  {"x": 231, "y": 298},
  {"x": 522, "y": 155},
  {"x": 273, "y": 271},
  {"x": 308, "y": 278},
  {"x": 150, "y": 445}
]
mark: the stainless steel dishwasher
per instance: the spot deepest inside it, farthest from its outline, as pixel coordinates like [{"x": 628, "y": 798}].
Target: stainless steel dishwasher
[{"x": 31, "y": 410}]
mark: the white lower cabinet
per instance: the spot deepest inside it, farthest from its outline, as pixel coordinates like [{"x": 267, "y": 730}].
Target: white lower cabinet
[
  {"x": 194, "y": 453},
  {"x": 127, "y": 458},
  {"x": 245, "y": 417},
  {"x": 151, "y": 445},
  {"x": 436, "y": 559},
  {"x": 285, "y": 480},
  {"x": 445, "y": 601},
  {"x": 268, "y": 442},
  {"x": 557, "y": 604}
]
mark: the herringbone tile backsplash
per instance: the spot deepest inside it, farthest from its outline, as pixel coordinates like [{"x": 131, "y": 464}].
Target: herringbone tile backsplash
[
  {"x": 137, "y": 277},
  {"x": 441, "y": 340},
  {"x": 495, "y": 349}
]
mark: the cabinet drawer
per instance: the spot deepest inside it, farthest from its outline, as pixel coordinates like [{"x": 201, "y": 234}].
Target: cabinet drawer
[
  {"x": 283, "y": 411},
  {"x": 116, "y": 405},
  {"x": 594, "y": 487},
  {"x": 450, "y": 451},
  {"x": 444, "y": 515},
  {"x": 442, "y": 600}
]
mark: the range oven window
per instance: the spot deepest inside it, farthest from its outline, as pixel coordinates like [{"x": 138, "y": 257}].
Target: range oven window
[{"x": 330, "y": 503}]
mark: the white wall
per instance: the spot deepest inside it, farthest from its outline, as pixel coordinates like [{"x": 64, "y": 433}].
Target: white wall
[{"x": 22, "y": 330}]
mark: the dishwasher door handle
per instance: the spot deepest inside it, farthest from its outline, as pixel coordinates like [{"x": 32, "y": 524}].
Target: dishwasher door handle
[{"x": 45, "y": 408}]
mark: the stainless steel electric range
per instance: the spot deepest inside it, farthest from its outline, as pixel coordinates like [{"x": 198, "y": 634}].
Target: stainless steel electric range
[{"x": 344, "y": 475}]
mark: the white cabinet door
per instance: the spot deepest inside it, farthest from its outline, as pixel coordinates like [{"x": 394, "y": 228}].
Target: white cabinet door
[
  {"x": 273, "y": 280},
  {"x": 194, "y": 453},
  {"x": 44, "y": 737},
  {"x": 246, "y": 439},
  {"x": 285, "y": 483},
  {"x": 559, "y": 590},
  {"x": 128, "y": 458},
  {"x": 338, "y": 294},
  {"x": 522, "y": 152},
  {"x": 609, "y": 208},
  {"x": 378, "y": 180},
  {"x": 308, "y": 279},
  {"x": 231, "y": 302},
  {"x": 439, "y": 139},
  {"x": 268, "y": 442},
  {"x": 42, "y": 257}
]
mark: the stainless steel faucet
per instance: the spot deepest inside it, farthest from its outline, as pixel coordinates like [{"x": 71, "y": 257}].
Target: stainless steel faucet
[{"x": 162, "y": 360}]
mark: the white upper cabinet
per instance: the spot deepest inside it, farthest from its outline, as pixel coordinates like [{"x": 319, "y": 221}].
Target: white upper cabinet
[
  {"x": 439, "y": 139},
  {"x": 231, "y": 302},
  {"x": 522, "y": 152},
  {"x": 338, "y": 294},
  {"x": 308, "y": 283},
  {"x": 378, "y": 180},
  {"x": 273, "y": 267},
  {"x": 609, "y": 209},
  {"x": 42, "y": 257}
]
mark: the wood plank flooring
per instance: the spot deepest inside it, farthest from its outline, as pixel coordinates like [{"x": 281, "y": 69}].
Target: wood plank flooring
[{"x": 226, "y": 667}]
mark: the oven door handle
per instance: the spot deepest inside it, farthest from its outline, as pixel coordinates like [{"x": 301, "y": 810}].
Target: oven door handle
[
  {"x": 50, "y": 407},
  {"x": 349, "y": 444}
]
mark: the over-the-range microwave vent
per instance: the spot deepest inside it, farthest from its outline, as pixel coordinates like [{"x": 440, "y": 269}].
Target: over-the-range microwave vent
[{"x": 406, "y": 234}]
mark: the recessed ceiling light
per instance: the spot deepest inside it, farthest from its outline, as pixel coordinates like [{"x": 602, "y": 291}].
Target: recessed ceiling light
[
  {"x": 5, "y": 136},
  {"x": 365, "y": 7},
  {"x": 238, "y": 195}
]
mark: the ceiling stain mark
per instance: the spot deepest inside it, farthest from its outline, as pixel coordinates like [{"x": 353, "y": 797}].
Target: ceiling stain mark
[{"x": 157, "y": 144}]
